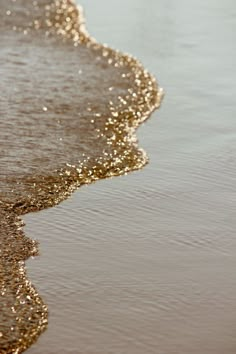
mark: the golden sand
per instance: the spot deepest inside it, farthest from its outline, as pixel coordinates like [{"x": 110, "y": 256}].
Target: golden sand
[{"x": 47, "y": 172}]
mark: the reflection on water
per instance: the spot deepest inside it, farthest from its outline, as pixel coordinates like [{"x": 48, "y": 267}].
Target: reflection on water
[
  {"x": 69, "y": 111},
  {"x": 150, "y": 258}
]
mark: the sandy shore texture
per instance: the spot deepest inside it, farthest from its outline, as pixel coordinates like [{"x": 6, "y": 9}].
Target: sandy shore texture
[
  {"x": 70, "y": 108},
  {"x": 146, "y": 263}
]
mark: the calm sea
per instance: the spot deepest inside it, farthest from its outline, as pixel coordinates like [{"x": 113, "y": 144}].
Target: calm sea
[{"x": 144, "y": 263}]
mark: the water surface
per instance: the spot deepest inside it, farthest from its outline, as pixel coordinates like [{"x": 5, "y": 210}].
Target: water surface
[
  {"x": 151, "y": 256},
  {"x": 69, "y": 111}
]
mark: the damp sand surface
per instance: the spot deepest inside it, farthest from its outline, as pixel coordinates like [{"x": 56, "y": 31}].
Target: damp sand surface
[
  {"x": 69, "y": 111},
  {"x": 145, "y": 263}
]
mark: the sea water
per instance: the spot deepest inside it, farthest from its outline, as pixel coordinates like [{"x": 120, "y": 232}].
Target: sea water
[{"x": 69, "y": 110}]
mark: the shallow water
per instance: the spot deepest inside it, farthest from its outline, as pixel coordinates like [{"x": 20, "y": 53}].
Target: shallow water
[
  {"x": 151, "y": 256},
  {"x": 65, "y": 100},
  {"x": 69, "y": 111},
  {"x": 145, "y": 263}
]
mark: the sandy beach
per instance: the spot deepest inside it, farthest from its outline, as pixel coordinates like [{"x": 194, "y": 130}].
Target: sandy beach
[{"x": 145, "y": 263}]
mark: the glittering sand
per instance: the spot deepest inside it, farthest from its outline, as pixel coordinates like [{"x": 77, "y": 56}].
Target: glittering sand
[{"x": 69, "y": 111}]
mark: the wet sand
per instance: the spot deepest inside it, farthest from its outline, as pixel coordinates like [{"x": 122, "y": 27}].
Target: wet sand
[
  {"x": 145, "y": 263},
  {"x": 70, "y": 108}
]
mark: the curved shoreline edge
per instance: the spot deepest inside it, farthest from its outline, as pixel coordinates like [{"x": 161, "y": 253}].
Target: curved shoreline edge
[{"x": 62, "y": 18}]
